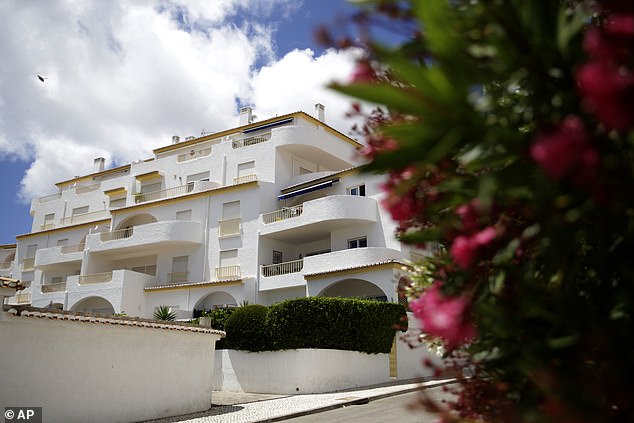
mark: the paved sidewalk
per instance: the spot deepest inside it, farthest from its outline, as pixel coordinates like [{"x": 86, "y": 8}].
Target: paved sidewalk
[{"x": 253, "y": 408}]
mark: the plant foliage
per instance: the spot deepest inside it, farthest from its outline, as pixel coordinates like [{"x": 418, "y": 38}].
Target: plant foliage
[
  {"x": 507, "y": 134},
  {"x": 164, "y": 313}
]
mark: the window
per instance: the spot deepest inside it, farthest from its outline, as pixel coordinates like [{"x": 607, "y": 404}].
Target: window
[
  {"x": 202, "y": 176},
  {"x": 179, "y": 264},
  {"x": 49, "y": 218},
  {"x": 231, "y": 210},
  {"x": 153, "y": 187},
  {"x": 30, "y": 251},
  {"x": 184, "y": 215},
  {"x": 277, "y": 257},
  {"x": 358, "y": 242},
  {"x": 57, "y": 279},
  {"x": 80, "y": 210},
  {"x": 357, "y": 190},
  {"x": 246, "y": 172},
  {"x": 228, "y": 258},
  {"x": 117, "y": 202},
  {"x": 62, "y": 242}
]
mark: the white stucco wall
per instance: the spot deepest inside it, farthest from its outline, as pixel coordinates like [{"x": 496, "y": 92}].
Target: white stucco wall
[
  {"x": 297, "y": 371},
  {"x": 91, "y": 372}
]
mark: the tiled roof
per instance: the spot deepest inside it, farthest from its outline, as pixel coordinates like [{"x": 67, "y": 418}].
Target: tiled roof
[
  {"x": 360, "y": 266},
  {"x": 11, "y": 283},
  {"x": 44, "y": 313},
  {"x": 192, "y": 284}
]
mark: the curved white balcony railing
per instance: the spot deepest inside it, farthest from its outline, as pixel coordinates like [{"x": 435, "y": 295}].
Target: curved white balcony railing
[
  {"x": 59, "y": 254},
  {"x": 173, "y": 232},
  {"x": 349, "y": 259},
  {"x": 324, "y": 211}
]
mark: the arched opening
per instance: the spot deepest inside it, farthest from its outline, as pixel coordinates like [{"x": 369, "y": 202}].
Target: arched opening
[
  {"x": 7, "y": 261},
  {"x": 136, "y": 220},
  {"x": 214, "y": 300},
  {"x": 94, "y": 305},
  {"x": 354, "y": 288}
]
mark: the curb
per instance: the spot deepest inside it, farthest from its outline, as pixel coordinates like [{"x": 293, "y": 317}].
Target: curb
[{"x": 356, "y": 401}]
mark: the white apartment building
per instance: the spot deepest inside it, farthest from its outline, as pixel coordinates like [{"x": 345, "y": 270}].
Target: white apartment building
[{"x": 262, "y": 212}]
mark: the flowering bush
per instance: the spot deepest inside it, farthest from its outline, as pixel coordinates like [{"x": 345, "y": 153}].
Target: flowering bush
[{"x": 507, "y": 135}]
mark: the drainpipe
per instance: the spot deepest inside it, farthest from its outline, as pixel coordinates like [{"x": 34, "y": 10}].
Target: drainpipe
[
  {"x": 224, "y": 169},
  {"x": 206, "y": 240}
]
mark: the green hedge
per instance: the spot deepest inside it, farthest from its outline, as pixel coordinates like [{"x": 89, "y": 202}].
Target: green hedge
[
  {"x": 316, "y": 322},
  {"x": 247, "y": 329}
]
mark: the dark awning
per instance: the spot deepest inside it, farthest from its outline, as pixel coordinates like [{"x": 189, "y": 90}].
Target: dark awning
[
  {"x": 270, "y": 125},
  {"x": 307, "y": 189}
]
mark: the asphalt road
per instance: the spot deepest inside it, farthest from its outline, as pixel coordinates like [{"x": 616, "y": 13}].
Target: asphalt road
[{"x": 400, "y": 408}]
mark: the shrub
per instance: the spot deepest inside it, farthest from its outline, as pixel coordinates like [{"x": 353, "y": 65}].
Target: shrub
[
  {"x": 164, "y": 313},
  {"x": 334, "y": 323},
  {"x": 247, "y": 329}
]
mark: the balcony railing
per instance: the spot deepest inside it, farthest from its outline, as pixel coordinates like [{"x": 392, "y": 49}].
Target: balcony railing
[
  {"x": 177, "y": 277},
  {"x": 28, "y": 263},
  {"x": 166, "y": 193},
  {"x": 6, "y": 265},
  {"x": 67, "y": 249},
  {"x": 118, "y": 234},
  {"x": 246, "y": 178},
  {"x": 86, "y": 188},
  {"x": 282, "y": 268},
  {"x": 194, "y": 154},
  {"x": 23, "y": 298},
  {"x": 245, "y": 142},
  {"x": 49, "y": 198},
  {"x": 95, "y": 278},
  {"x": 285, "y": 213},
  {"x": 85, "y": 217},
  {"x": 229, "y": 227},
  {"x": 53, "y": 287},
  {"x": 228, "y": 272},
  {"x": 47, "y": 226}
]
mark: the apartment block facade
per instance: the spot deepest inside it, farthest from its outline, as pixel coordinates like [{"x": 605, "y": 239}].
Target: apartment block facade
[{"x": 262, "y": 212}]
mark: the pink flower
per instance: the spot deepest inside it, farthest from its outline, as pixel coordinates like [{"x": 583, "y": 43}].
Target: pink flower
[
  {"x": 565, "y": 150},
  {"x": 464, "y": 250},
  {"x": 620, "y": 24},
  {"x": 468, "y": 216},
  {"x": 444, "y": 317}
]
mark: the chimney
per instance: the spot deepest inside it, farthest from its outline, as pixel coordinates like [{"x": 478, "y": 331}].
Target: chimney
[
  {"x": 176, "y": 139},
  {"x": 99, "y": 164},
  {"x": 245, "y": 115},
  {"x": 320, "y": 113}
]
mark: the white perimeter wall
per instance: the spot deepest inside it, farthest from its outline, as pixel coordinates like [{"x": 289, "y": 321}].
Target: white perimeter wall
[
  {"x": 94, "y": 372},
  {"x": 297, "y": 371}
]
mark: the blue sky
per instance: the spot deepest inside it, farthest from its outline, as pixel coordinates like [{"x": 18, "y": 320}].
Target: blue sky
[{"x": 122, "y": 77}]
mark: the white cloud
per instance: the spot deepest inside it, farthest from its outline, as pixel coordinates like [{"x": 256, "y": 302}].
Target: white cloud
[
  {"x": 299, "y": 80},
  {"x": 125, "y": 76}
]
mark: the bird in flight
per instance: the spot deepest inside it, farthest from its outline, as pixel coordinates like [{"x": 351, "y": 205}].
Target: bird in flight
[{"x": 41, "y": 78}]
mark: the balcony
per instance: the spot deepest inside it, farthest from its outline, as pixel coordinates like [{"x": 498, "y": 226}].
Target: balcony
[
  {"x": 173, "y": 233},
  {"x": 55, "y": 256},
  {"x": 85, "y": 217},
  {"x": 53, "y": 287},
  {"x": 193, "y": 154},
  {"x": 282, "y": 268},
  {"x": 319, "y": 216},
  {"x": 177, "y": 277},
  {"x": 282, "y": 275},
  {"x": 20, "y": 298},
  {"x": 229, "y": 227},
  {"x": 95, "y": 278},
  {"x": 166, "y": 193},
  {"x": 352, "y": 258},
  {"x": 82, "y": 189},
  {"x": 245, "y": 142},
  {"x": 283, "y": 214},
  {"x": 228, "y": 272},
  {"x": 48, "y": 198},
  {"x": 245, "y": 178},
  {"x": 47, "y": 226}
]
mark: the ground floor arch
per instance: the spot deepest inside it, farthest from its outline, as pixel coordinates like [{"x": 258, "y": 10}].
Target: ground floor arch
[
  {"x": 94, "y": 305},
  {"x": 354, "y": 288},
  {"x": 219, "y": 299}
]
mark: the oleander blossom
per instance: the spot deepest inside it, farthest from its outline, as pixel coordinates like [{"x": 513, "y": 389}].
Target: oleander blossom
[
  {"x": 444, "y": 317},
  {"x": 465, "y": 249},
  {"x": 566, "y": 151}
]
